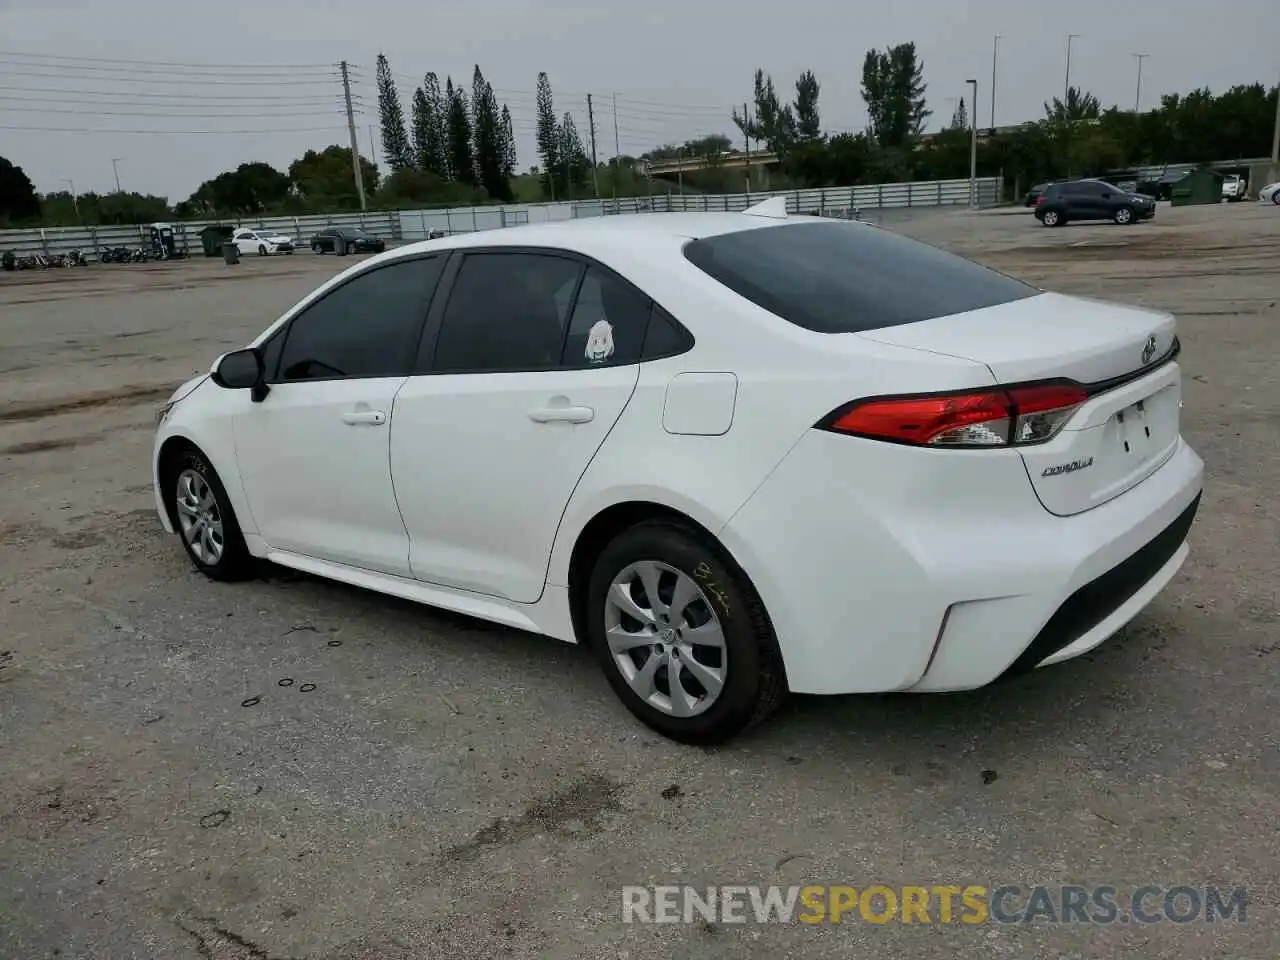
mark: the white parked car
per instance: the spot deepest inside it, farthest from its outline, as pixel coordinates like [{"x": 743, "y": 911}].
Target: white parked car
[
  {"x": 261, "y": 242},
  {"x": 1270, "y": 193},
  {"x": 735, "y": 454},
  {"x": 1234, "y": 188}
]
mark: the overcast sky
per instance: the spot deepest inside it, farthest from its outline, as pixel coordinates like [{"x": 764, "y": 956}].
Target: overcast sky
[{"x": 676, "y": 66}]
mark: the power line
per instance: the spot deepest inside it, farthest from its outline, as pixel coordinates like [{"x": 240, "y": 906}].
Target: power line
[
  {"x": 165, "y": 63},
  {"x": 202, "y": 105},
  {"x": 284, "y": 81},
  {"x": 186, "y": 115},
  {"x": 69, "y": 91},
  {"x": 184, "y": 133}
]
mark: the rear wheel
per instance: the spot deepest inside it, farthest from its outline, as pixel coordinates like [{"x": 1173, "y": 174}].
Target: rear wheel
[
  {"x": 1051, "y": 218},
  {"x": 681, "y": 634}
]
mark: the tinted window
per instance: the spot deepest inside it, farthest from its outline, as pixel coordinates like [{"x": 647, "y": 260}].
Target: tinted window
[
  {"x": 368, "y": 327},
  {"x": 609, "y": 321},
  {"x": 507, "y": 311},
  {"x": 844, "y": 277},
  {"x": 665, "y": 337}
]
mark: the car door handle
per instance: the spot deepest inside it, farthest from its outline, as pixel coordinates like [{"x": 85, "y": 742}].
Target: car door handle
[
  {"x": 375, "y": 418},
  {"x": 562, "y": 415}
]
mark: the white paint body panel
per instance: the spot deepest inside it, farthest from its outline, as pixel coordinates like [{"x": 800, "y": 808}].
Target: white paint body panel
[{"x": 858, "y": 548}]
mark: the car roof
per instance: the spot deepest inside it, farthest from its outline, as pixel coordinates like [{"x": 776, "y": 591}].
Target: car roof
[{"x": 586, "y": 233}]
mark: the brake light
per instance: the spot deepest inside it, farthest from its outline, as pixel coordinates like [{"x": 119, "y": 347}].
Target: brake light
[
  {"x": 989, "y": 418},
  {"x": 1041, "y": 199}
]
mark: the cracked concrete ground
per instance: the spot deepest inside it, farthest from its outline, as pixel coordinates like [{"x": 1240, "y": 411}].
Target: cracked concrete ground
[{"x": 295, "y": 769}]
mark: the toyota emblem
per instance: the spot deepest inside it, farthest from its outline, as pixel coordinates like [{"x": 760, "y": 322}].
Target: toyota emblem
[{"x": 1149, "y": 351}]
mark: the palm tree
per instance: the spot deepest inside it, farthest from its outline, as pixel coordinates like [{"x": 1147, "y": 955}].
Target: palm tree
[{"x": 1078, "y": 106}]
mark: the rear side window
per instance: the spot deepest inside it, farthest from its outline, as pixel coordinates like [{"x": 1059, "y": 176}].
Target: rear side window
[
  {"x": 610, "y": 318},
  {"x": 846, "y": 277}
]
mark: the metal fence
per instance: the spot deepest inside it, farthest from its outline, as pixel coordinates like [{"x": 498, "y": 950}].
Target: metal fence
[{"x": 405, "y": 226}]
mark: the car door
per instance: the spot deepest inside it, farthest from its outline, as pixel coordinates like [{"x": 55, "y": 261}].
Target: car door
[
  {"x": 525, "y": 370},
  {"x": 313, "y": 455},
  {"x": 246, "y": 241}
]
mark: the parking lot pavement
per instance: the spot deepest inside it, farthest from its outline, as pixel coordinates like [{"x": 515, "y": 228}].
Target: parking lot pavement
[{"x": 169, "y": 788}]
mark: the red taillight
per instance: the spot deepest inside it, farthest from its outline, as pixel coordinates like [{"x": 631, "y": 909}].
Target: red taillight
[
  {"x": 991, "y": 418},
  {"x": 1040, "y": 199}
]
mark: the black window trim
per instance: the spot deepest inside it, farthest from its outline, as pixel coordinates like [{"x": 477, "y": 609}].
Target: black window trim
[
  {"x": 272, "y": 377},
  {"x": 425, "y": 362}
]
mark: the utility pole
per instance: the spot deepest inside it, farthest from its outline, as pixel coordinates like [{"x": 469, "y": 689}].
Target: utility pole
[
  {"x": 1137, "y": 97},
  {"x": 595, "y": 174},
  {"x": 746, "y": 144},
  {"x": 973, "y": 148},
  {"x": 355, "y": 144},
  {"x": 116, "y": 170},
  {"x": 1066, "y": 87},
  {"x": 1275, "y": 141},
  {"x": 617, "y": 154},
  {"x": 75, "y": 198},
  {"x": 995, "y": 53}
]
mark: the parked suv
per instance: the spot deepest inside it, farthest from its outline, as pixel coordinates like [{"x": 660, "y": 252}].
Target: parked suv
[{"x": 1091, "y": 200}]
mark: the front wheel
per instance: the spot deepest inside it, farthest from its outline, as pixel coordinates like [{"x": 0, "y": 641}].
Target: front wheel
[
  {"x": 205, "y": 519},
  {"x": 1275, "y": 198},
  {"x": 262, "y": 250},
  {"x": 1123, "y": 216},
  {"x": 682, "y": 636}
]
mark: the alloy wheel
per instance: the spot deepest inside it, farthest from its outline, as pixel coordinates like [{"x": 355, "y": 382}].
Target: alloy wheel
[
  {"x": 665, "y": 638},
  {"x": 199, "y": 517}
]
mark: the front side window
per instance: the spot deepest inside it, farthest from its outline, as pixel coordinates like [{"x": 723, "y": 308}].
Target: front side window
[
  {"x": 368, "y": 327},
  {"x": 506, "y": 312}
]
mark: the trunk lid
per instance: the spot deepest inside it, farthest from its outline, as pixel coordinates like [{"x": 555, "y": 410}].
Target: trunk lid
[{"x": 1126, "y": 430}]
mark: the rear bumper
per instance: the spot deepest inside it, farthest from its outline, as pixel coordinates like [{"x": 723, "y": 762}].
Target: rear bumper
[{"x": 880, "y": 583}]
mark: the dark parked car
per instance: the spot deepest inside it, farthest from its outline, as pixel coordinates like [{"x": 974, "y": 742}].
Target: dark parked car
[
  {"x": 1091, "y": 200},
  {"x": 1034, "y": 194},
  {"x": 345, "y": 240}
]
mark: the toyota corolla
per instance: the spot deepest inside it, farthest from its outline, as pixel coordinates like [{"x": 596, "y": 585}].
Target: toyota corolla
[{"x": 735, "y": 454}]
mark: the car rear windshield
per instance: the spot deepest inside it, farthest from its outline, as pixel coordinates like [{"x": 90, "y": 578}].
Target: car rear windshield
[{"x": 834, "y": 277}]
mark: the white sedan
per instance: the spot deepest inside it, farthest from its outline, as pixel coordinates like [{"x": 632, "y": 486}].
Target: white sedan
[
  {"x": 1270, "y": 193},
  {"x": 261, "y": 242},
  {"x": 736, "y": 454}
]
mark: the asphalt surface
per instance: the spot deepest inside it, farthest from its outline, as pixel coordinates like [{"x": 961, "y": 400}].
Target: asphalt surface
[{"x": 169, "y": 788}]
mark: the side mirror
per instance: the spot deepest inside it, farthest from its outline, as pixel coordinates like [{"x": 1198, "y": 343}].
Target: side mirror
[{"x": 241, "y": 370}]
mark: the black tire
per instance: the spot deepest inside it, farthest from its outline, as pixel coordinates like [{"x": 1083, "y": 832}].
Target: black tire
[
  {"x": 1059, "y": 218},
  {"x": 235, "y": 563},
  {"x": 1275, "y": 198},
  {"x": 1124, "y": 216},
  {"x": 349, "y": 248},
  {"x": 262, "y": 249},
  {"x": 315, "y": 248},
  {"x": 755, "y": 679}
]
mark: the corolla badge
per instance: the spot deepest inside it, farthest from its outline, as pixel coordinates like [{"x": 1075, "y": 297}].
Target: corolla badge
[
  {"x": 1149, "y": 351},
  {"x": 1059, "y": 469}
]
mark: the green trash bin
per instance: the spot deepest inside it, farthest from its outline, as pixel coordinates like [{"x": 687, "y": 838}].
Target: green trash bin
[{"x": 230, "y": 253}]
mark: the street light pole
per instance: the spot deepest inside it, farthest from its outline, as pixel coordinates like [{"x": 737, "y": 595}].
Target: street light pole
[
  {"x": 973, "y": 148},
  {"x": 116, "y": 170},
  {"x": 1137, "y": 97},
  {"x": 1066, "y": 87},
  {"x": 995, "y": 53}
]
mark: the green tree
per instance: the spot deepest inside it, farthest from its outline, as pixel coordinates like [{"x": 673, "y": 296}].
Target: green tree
[
  {"x": 326, "y": 182},
  {"x": 437, "y": 133},
  {"x": 251, "y": 188},
  {"x": 894, "y": 89},
  {"x": 458, "y": 131},
  {"x": 509, "y": 158},
  {"x": 428, "y": 143},
  {"x": 960, "y": 118},
  {"x": 1078, "y": 106},
  {"x": 773, "y": 123},
  {"x": 808, "y": 122},
  {"x": 573, "y": 156},
  {"x": 548, "y": 139},
  {"x": 395, "y": 141},
  {"x": 490, "y": 149},
  {"x": 18, "y": 199}
]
